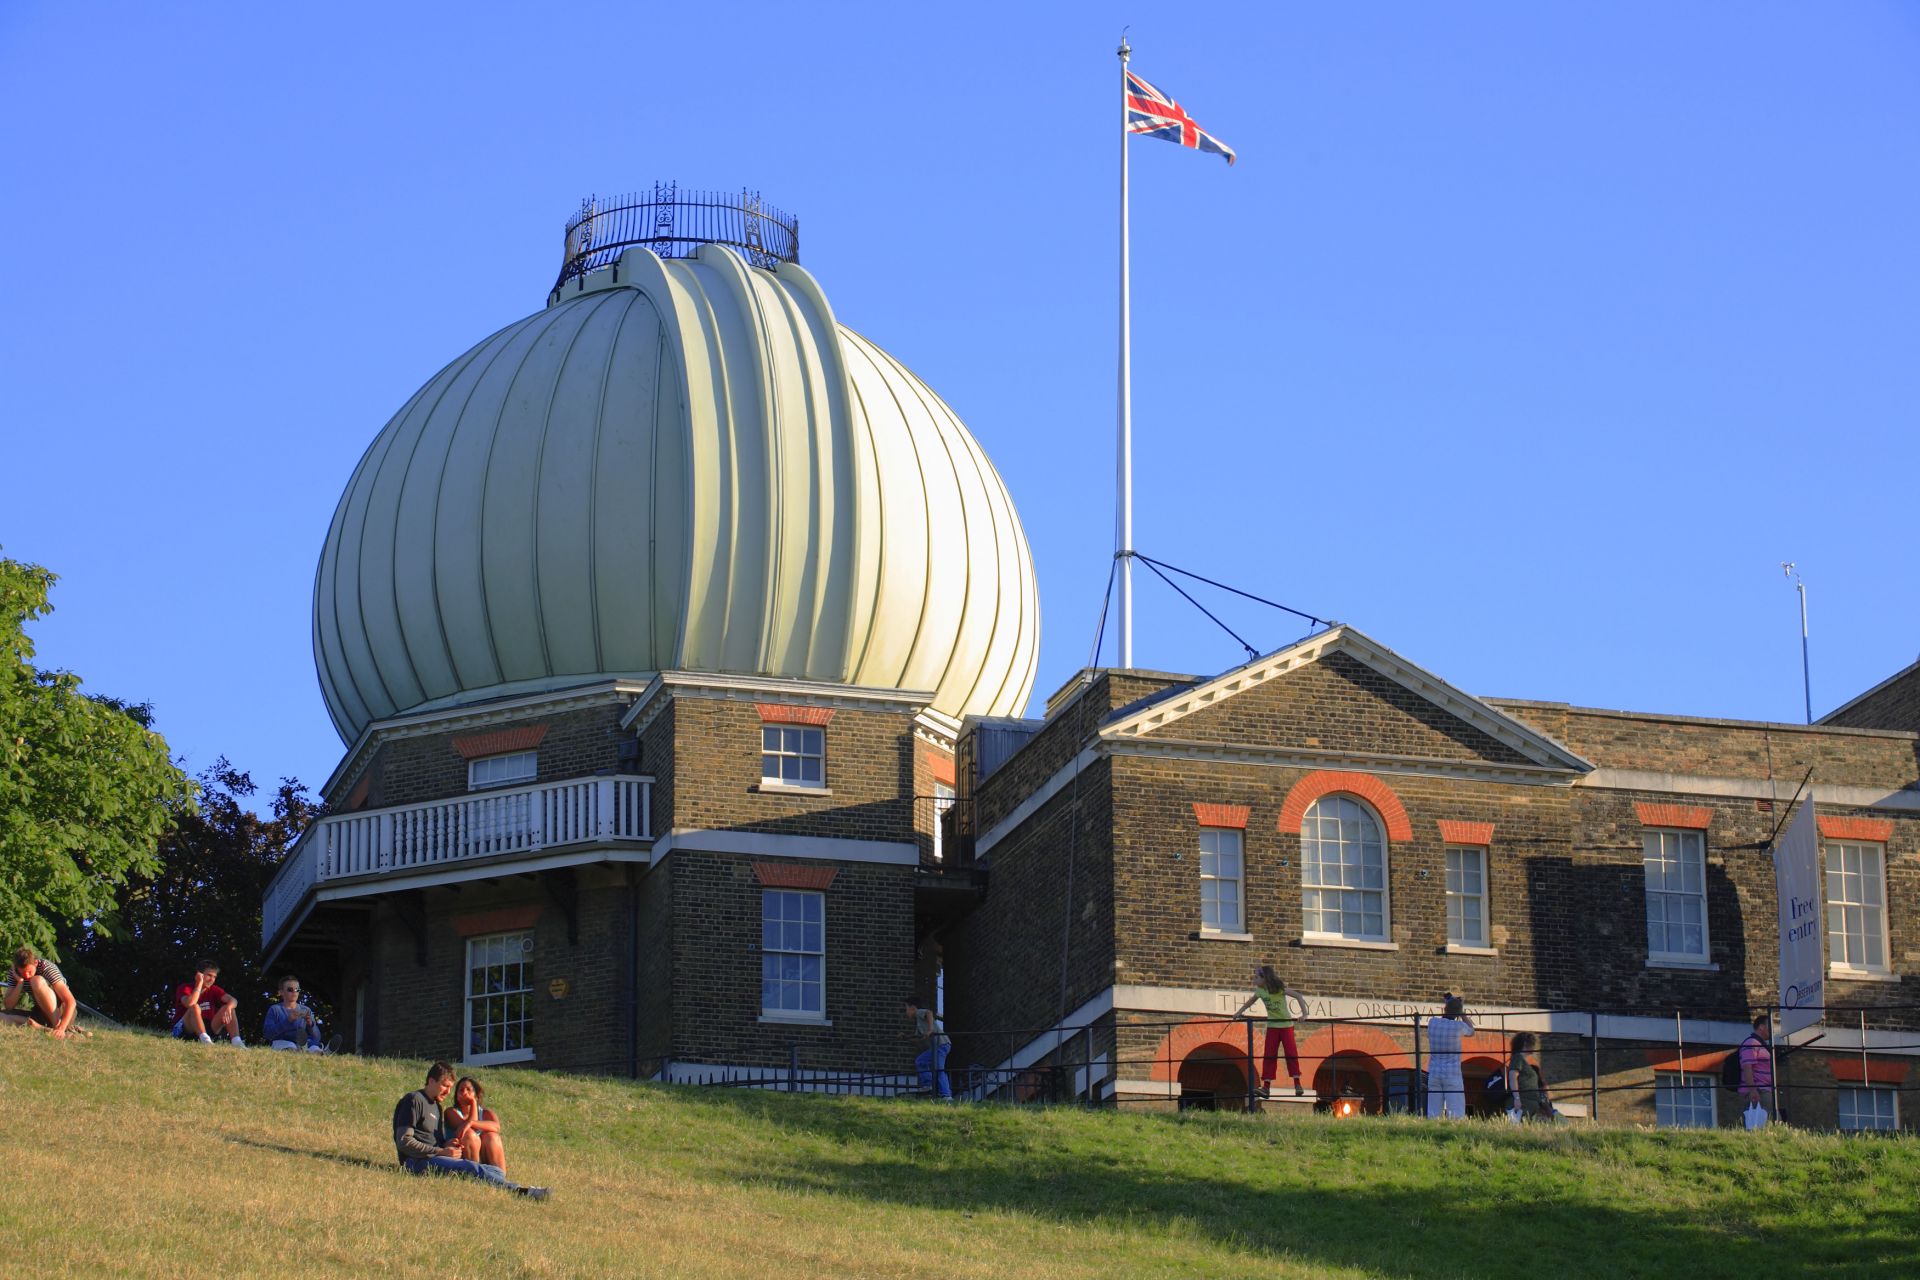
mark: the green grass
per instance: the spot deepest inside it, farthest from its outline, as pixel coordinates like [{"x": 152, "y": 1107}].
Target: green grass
[{"x": 134, "y": 1155}]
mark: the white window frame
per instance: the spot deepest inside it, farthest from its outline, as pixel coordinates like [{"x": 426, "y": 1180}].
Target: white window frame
[
  {"x": 944, "y": 798},
  {"x": 1686, "y": 1100},
  {"x": 1848, "y": 1098},
  {"x": 1873, "y": 916},
  {"x": 1457, "y": 937},
  {"x": 780, "y": 941},
  {"x": 1214, "y": 843},
  {"x": 1384, "y": 888},
  {"x": 515, "y": 951},
  {"x": 508, "y": 769},
  {"x": 808, "y": 736},
  {"x": 1654, "y": 839}
]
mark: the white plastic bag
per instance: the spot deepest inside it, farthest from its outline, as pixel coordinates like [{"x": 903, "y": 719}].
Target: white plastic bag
[{"x": 1756, "y": 1116}]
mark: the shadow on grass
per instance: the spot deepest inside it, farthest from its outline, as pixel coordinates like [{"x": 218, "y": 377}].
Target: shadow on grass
[
  {"x": 1485, "y": 1211},
  {"x": 352, "y": 1162}
]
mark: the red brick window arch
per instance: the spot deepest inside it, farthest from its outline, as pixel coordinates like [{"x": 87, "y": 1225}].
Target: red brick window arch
[{"x": 1345, "y": 822}]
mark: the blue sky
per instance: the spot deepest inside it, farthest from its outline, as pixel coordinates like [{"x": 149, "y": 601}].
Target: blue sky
[{"x": 1528, "y": 338}]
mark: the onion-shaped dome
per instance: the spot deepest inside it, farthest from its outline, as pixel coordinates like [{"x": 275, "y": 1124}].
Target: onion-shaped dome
[{"x": 678, "y": 465}]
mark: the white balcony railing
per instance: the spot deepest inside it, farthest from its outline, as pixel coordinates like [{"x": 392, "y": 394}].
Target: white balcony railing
[{"x": 487, "y": 824}]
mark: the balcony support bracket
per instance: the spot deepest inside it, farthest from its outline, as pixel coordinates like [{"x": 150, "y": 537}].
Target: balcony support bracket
[{"x": 564, "y": 888}]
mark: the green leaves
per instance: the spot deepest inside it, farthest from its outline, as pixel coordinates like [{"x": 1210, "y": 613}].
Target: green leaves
[{"x": 86, "y": 786}]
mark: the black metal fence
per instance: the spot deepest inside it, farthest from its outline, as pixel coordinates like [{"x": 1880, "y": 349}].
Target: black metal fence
[
  {"x": 1593, "y": 1072},
  {"x": 674, "y": 224}
]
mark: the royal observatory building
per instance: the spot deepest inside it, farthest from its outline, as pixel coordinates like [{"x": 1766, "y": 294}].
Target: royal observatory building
[
  {"x": 649, "y": 623},
  {"x": 681, "y": 641}
]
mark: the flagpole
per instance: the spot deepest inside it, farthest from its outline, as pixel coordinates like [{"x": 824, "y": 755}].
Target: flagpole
[{"x": 1123, "y": 467}]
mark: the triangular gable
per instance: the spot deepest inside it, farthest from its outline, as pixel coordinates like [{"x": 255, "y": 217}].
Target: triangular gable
[{"x": 1515, "y": 735}]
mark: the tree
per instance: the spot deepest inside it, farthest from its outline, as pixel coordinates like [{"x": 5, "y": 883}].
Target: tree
[
  {"x": 86, "y": 785},
  {"x": 201, "y": 902}
]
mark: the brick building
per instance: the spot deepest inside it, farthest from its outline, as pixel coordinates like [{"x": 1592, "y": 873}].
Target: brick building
[
  {"x": 1383, "y": 838},
  {"x": 648, "y": 625},
  {"x": 678, "y": 637}
]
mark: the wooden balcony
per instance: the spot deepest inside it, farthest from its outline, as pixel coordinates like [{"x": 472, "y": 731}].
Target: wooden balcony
[{"x": 410, "y": 842}]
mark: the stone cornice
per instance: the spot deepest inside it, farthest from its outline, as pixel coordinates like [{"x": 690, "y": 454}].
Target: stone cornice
[
  {"x": 503, "y": 711},
  {"x": 1515, "y": 734},
  {"x": 1313, "y": 758},
  {"x": 752, "y": 689}
]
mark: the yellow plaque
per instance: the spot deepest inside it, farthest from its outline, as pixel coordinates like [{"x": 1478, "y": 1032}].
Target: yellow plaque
[{"x": 558, "y": 988}]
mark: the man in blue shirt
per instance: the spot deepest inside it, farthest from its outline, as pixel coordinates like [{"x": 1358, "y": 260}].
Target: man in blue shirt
[{"x": 289, "y": 1022}]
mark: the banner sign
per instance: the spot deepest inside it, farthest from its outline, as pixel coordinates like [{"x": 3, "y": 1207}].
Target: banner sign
[{"x": 1803, "y": 968}]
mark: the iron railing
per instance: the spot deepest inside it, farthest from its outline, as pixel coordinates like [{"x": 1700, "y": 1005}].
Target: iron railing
[
  {"x": 1583, "y": 1056},
  {"x": 674, "y": 224}
]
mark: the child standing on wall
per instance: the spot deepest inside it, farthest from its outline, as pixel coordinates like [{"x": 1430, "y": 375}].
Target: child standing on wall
[{"x": 1272, "y": 995}]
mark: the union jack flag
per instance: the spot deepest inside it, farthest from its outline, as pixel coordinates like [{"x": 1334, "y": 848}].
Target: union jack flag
[{"x": 1154, "y": 114}]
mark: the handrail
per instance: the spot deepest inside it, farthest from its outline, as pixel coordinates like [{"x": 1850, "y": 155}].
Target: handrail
[
  {"x": 674, "y": 224},
  {"x": 455, "y": 829}
]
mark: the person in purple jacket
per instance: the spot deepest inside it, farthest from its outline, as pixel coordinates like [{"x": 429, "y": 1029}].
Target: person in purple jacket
[{"x": 1756, "y": 1064}]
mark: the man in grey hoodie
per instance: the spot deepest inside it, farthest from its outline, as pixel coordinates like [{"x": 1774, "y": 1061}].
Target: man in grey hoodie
[{"x": 417, "y": 1137}]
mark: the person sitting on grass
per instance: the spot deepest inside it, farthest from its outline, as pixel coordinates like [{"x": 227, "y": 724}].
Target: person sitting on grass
[
  {"x": 417, "y": 1140},
  {"x": 931, "y": 1061},
  {"x": 289, "y": 1022},
  {"x": 474, "y": 1128},
  {"x": 200, "y": 1007},
  {"x": 54, "y": 1007}
]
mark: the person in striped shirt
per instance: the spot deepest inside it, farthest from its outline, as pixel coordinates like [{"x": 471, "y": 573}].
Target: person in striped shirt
[
  {"x": 1446, "y": 1091},
  {"x": 54, "y": 1006}
]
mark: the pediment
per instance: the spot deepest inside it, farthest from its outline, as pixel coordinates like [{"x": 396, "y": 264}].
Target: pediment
[{"x": 1340, "y": 692}]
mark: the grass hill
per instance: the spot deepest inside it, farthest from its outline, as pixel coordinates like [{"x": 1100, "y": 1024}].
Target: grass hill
[{"x": 132, "y": 1155}]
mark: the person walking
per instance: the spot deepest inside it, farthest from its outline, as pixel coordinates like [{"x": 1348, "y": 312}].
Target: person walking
[
  {"x": 1446, "y": 1091},
  {"x": 1273, "y": 996},
  {"x": 1756, "y": 1068},
  {"x": 931, "y": 1061},
  {"x": 1523, "y": 1080}
]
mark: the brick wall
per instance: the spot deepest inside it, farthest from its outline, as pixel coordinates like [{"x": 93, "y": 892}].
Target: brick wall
[
  {"x": 1003, "y": 960},
  {"x": 654, "y": 1000},
  {"x": 716, "y": 774},
  {"x": 658, "y": 760},
  {"x": 576, "y": 743},
  {"x": 1728, "y": 749},
  {"x": 1060, "y": 740},
  {"x": 421, "y": 1009},
  {"x": 1156, "y": 864},
  {"x": 1893, "y": 705},
  {"x": 1340, "y": 704},
  {"x": 716, "y": 967}
]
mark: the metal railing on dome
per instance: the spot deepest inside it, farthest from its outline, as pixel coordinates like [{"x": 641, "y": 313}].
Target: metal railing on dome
[{"x": 674, "y": 224}]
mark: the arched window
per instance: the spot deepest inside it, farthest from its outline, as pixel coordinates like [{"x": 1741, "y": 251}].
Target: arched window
[{"x": 1343, "y": 871}]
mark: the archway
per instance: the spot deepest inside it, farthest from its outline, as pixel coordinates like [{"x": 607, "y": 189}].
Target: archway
[
  {"x": 1348, "y": 1074},
  {"x": 1474, "y": 1073},
  {"x": 1213, "y": 1077}
]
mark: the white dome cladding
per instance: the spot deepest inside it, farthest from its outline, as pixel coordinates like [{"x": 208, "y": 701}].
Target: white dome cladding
[{"x": 688, "y": 465}]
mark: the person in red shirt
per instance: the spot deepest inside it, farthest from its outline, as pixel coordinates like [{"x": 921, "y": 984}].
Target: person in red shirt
[{"x": 201, "y": 1007}]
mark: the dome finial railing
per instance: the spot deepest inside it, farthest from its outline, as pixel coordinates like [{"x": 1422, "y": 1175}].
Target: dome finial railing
[{"x": 674, "y": 224}]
